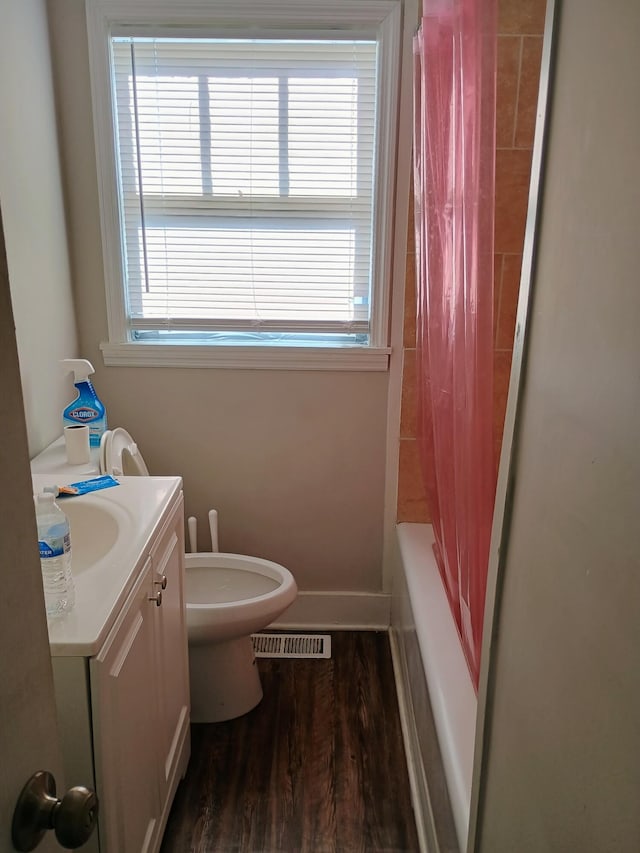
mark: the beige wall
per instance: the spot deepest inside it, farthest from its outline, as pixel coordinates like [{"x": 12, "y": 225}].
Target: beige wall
[
  {"x": 293, "y": 461},
  {"x": 563, "y": 736},
  {"x": 33, "y": 215}
]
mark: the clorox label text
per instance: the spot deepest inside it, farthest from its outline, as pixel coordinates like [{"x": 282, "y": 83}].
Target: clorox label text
[{"x": 83, "y": 413}]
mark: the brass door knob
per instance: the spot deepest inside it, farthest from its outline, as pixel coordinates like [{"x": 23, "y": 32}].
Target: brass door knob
[{"x": 73, "y": 818}]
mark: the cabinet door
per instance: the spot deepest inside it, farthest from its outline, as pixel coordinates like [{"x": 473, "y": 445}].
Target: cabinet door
[
  {"x": 124, "y": 717},
  {"x": 172, "y": 659}
]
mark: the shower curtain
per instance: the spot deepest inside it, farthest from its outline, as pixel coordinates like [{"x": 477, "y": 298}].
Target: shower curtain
[{"x": 454, "y": 166}]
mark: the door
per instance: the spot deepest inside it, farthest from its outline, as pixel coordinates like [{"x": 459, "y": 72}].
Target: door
[
  {"x": 28, "y": 727},
  {"x": 560, "y": 769}
]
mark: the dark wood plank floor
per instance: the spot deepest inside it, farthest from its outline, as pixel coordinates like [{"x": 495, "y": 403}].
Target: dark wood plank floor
[{"x": 317, "y": 767}]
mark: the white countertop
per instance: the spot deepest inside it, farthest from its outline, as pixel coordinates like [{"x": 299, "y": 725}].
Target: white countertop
[
  {"x": 138, "y": 504},
  {"x": 53, "y": 460}
]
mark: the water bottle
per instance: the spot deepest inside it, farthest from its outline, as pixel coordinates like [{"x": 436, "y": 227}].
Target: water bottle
[{"x": 54, "y": 542}]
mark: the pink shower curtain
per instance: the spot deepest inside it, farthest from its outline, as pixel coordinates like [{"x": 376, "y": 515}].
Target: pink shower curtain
[{"x": 454, "y": 157}]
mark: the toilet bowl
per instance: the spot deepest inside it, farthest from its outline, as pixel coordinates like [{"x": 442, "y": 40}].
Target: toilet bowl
[{"x": 228, "y": 597}]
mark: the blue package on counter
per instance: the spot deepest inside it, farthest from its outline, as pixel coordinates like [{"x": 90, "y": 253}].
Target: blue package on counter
[{"x": 82, "y": 488}]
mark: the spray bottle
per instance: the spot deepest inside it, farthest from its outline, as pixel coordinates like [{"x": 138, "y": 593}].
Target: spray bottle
[{"x": 87, "y": 407}]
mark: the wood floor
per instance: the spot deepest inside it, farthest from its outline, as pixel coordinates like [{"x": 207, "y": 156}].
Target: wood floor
[{"x": 317, "y": 767}]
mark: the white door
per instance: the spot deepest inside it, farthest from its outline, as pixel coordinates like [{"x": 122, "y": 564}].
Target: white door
[{"x": 28, "y": 728}]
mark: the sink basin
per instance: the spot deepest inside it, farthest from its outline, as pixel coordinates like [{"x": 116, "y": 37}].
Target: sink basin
[
  {"x": 94, "y": 529},
  {"x": 111, "y": 531}
]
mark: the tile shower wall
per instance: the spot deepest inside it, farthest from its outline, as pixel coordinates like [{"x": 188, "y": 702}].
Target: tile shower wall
[{"x": 520, "y": 29}]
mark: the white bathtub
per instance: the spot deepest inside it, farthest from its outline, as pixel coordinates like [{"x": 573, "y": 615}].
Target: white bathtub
[{"x": 436, "y": 696}]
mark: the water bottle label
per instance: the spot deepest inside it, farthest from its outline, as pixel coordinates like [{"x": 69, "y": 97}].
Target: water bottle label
[{"x": 56, "y": 549}]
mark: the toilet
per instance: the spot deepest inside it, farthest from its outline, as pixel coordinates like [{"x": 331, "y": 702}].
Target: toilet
[{"x": 228, "y": 598}]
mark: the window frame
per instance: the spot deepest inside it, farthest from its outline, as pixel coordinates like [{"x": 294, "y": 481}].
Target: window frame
[{"x": 379, "y": 19}]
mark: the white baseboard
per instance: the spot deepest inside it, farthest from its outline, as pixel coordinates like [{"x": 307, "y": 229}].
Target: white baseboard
[{"x": 337, "y": 611}]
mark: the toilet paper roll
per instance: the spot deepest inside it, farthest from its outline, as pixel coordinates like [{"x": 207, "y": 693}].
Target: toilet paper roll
[{"x": 76, "y": 442}]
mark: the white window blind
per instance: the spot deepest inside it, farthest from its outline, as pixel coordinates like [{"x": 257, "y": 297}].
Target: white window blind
[{"x": 246, "y": 186}]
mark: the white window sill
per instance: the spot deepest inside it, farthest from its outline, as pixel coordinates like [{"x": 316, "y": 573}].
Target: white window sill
[{"x": 245, "y": 357}]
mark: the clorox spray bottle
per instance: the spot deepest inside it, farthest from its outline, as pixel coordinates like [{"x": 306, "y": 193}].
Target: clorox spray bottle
[{"x": 87, "y": 408}]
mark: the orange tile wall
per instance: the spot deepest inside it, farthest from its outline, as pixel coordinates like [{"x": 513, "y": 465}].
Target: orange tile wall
[{"x": 520, "y": 29}]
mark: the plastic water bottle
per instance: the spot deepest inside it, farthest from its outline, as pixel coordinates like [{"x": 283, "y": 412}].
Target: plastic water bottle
[{"x": 55, "y": 556}]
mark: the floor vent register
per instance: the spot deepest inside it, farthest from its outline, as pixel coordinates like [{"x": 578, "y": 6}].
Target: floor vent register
[{"x": 292, "y": 645}]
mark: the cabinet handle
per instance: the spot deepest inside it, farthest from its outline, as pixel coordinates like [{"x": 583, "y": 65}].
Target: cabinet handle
[
  {"x": 157, "y": 597},
  {"x": 162, "y": 583}
]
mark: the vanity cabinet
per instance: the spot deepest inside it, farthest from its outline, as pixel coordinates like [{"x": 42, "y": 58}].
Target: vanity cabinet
[{"x": 124, "y": 712}]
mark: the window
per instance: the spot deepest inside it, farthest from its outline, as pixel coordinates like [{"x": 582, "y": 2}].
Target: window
[
  {"x": 245, "y": 183},
  {"x": 245, "y": 187}
]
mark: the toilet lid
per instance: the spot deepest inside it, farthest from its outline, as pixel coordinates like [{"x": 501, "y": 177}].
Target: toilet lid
[{"x": 120, "y": 455}]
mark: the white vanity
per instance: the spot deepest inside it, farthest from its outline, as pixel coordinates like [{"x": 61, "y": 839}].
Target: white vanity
[{"x": 120, "y": 657}]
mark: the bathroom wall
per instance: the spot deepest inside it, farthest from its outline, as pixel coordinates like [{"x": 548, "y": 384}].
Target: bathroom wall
[
  {"x": 520, "y": 28},
  {"x": 292, "y": 460},
  {"x": 563, "y": 702},
  {"x": 233, "y": 435},
  {"x": 33, "y": 216}
]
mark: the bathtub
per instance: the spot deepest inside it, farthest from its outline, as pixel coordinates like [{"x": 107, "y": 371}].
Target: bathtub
[{"x": 436, "y": 696}]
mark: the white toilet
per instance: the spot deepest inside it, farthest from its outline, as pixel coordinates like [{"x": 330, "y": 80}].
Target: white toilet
[{"x": 228, "y": 597}]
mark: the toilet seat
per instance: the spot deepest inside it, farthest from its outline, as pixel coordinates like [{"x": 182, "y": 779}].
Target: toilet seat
[
  {"x": 233, "y": 595},
  {"x": 119, "y": 455}
]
